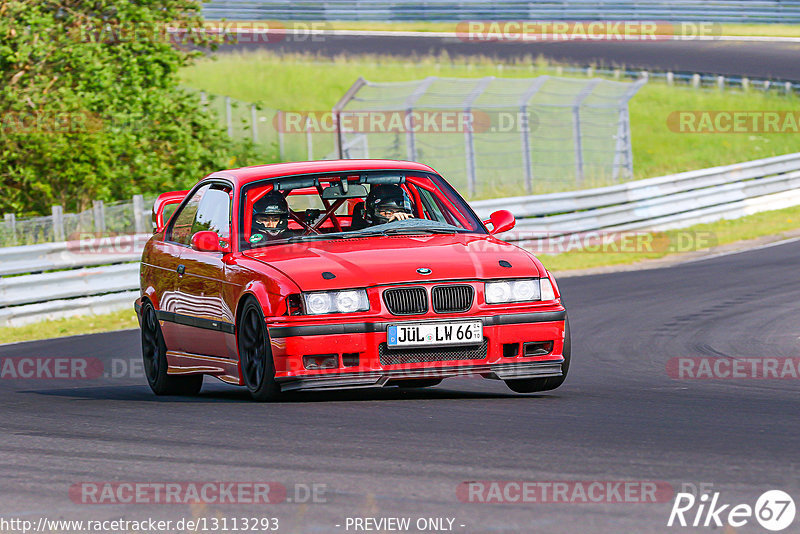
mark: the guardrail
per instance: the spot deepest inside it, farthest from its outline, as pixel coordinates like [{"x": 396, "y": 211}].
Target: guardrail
[
  {"x": 95, "y": 280},
  {"x": 768, "y": 11}
]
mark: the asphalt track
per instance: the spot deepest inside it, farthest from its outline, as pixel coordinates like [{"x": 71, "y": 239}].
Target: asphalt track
[
  {"x": 770, "y": 60},
  {"x": 385, "y": 453}
]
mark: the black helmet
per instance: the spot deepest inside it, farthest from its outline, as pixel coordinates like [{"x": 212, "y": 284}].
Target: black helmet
[
  {"x": 385, "y": 196},
  {"x": 273, "y": 204}
]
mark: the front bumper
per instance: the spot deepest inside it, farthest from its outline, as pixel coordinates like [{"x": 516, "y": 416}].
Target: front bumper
[{"x": 361, "y": 340}]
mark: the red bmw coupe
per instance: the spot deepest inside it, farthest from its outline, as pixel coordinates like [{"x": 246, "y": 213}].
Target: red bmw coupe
[{"x": 341, "y": 274}]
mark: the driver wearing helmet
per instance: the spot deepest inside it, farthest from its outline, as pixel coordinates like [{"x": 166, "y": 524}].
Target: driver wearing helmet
[
  {"x": 386, "y": 203},
  {"x": 270, "y": 218}
]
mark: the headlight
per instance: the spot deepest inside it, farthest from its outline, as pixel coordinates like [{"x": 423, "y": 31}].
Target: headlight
[
  {"x": 525, "y": 290},
  {"x": 351, "y": 300}
]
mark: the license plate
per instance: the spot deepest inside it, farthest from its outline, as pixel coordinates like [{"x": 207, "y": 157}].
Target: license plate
[{"x": 433, "y": 334}]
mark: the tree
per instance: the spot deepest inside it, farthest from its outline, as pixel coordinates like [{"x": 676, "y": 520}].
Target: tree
[{"x": 90, "y": 104}]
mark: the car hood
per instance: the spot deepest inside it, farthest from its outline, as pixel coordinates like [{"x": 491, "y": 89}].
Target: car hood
[{"x": 369, "y": 261}]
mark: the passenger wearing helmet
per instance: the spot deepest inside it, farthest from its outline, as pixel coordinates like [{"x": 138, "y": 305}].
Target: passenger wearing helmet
[
  {"x": 270, "y": 218},
  {"x": 386, "y": 203}
]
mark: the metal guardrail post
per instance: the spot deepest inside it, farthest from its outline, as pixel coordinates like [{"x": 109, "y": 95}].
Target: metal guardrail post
[
  {"x": 138, "y": 213},
  {"x": 58, "y": 223},
  {"x": 99, "y": 212}
]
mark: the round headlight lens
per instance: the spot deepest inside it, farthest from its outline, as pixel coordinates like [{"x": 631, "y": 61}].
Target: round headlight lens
[
  {"x": 348, "y": 301},
  {"x": 497, "y": 292},
  {"x": 525, "y": 290},
  {"x": 319, "y": 303}
]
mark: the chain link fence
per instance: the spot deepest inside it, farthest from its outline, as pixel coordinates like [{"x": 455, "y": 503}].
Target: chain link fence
[
  {"x": 495, "y": 137},
  {"x": 115, "y": 218}
]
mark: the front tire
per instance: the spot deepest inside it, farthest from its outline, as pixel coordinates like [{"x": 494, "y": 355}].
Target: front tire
[
  {"x": 534, "y": 385},
  {"x": 255, "y": 353},
  {"x": 154, "y": 358}
]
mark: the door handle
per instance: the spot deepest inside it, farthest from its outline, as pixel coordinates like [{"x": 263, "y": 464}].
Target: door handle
[{"x": 181, "y": 269}]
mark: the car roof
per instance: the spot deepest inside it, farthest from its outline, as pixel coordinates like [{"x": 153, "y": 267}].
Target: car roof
[{"x": 245, "y": 175}]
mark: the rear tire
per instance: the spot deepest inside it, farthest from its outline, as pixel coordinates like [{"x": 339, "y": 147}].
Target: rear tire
[
  {"x": 154, "y": 358},
  {"x": 255, "y": 353},
  {"x": 533, "y": 385}
]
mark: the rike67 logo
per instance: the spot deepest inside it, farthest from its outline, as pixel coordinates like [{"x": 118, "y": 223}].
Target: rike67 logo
[{"x": 774, "y": 510}]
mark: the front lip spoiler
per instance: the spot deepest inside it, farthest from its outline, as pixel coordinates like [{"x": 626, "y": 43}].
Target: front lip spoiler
[
  {"x": 378, "y": 379},
  {"x": 325, "y": 329}
]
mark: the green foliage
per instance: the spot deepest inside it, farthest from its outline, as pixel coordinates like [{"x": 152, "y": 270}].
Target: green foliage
[{"x": 90, "y": 106}]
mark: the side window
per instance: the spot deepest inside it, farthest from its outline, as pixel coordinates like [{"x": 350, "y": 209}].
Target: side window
[
  {"x": 181, "y": 231},
  {"x": 214, "y": 212}
]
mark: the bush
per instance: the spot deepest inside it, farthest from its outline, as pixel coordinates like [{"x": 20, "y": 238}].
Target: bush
[{"x": 91, "y": 107}]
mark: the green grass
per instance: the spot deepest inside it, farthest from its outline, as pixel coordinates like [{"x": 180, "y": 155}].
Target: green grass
[
  {"x": 302, "y": 82},
  {"x": 712, "y": 234},
  {"x": 89, "y": 324}
]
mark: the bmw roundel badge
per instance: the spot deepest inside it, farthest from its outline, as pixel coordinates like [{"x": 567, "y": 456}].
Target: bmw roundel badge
[{"x": 424, "y": 270}]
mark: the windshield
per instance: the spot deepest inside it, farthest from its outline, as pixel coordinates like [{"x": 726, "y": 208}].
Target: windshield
[{"x": 297, "y": 209}]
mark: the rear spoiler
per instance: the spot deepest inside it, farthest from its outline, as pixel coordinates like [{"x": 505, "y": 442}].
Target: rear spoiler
[{"x": 164, "y": 200}]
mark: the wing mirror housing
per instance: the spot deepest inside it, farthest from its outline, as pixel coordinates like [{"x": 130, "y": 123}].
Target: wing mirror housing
[
  {"x": 501, "y": 221},
  {"x": 208, "y": 241}
]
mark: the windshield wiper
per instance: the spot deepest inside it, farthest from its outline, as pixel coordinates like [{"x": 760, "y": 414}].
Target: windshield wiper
[{"x": 394, "y": 231}]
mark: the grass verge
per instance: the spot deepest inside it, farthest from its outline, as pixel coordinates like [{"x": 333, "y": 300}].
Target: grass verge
[
  {"x": 723, "y": 232},
  {"x": 72, "y": 326}
]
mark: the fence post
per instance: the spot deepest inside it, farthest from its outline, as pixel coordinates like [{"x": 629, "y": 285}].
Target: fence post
[
  {"x": 576, "y": 128},
  {"x": 721, "y": 83},
  {"x": 281, "y": 150},
  {"x": 138, "y": 214},
  {"x": 99, "y": 211},
  {"x": 229, "y": 116},
  {"x": 788, "y": 87},
  {"x": 310, "y": 142},
  {"x": 525, "y": 130},
  {"x": 695, "y": 80},
  {"x": 11, "y": 224},
  {"x": 408, "y": 118},
  {"x": 58, "y": 223},
  {"x": 745, "y": 84},
  {"x": 469, "y": 139},
  {"x": 254, "y": 122}
]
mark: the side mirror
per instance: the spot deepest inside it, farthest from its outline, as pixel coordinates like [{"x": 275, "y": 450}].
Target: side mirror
[
  {"x": 208, "y": 241},
  {"x": 502, "y": 221}
]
